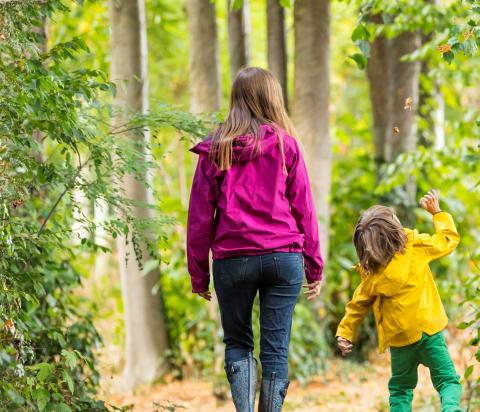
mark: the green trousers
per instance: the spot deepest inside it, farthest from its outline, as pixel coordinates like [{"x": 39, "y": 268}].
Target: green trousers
[{"x": 431, "y": 351}]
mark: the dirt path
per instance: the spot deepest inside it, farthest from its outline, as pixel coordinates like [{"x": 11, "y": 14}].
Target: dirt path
[{"x": 345, "y": 387}]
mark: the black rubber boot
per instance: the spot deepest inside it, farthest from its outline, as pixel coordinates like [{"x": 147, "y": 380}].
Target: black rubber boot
[
  {"x": 272, "y": 394},
  {"x": 242, "y": 376}
]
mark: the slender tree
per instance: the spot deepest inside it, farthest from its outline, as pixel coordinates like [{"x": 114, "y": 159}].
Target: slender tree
[
  {"x": 238, "y": 36},
  {"x": 277, "y": 44},
  {"x": 311, "y": 99},
  {"x": 146, "y": 338},
  {"x": 204, "y": 64},
  {"x": 205, "y": 93}
]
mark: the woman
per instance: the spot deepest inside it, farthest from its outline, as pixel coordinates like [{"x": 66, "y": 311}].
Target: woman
[{"x": 251, "y": 204}]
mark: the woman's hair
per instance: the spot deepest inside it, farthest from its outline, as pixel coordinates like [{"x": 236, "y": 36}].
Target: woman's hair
[
  {"x": 256, "y": 99},
  {"x": 378, "y": 236}
]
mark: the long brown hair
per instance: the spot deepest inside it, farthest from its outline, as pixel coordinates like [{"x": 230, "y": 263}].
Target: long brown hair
[
  {"x": 256, "y": 99},
  {"x": 378, "y": 236}
]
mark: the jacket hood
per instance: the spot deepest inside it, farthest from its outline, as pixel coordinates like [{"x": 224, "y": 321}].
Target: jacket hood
[
  {"x": 399, "y": 267},
  {"x": 244, "y": 147}
]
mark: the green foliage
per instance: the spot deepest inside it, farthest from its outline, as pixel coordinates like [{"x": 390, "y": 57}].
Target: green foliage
[{"x": 55, "y": 145}]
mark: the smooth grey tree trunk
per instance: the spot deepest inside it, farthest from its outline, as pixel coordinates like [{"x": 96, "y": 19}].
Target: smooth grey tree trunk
[
  {"x": 277, "y": 44},
  {"x": 238, "y": 36},
  {"x": 311, "y": 100},
  {"x": 204, "y": 64},
  {"x": 145, "y": 333}
]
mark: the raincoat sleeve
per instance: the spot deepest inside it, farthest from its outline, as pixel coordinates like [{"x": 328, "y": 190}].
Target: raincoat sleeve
[
  {"x": 443, "y": 242},
  {"x": 356, "y": 310},
  {"x": 200, "y": 225},
  {"x": 302, "y": 207}
]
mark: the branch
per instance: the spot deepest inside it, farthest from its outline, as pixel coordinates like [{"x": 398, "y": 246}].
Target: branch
[{"x": 67, "y": 188}]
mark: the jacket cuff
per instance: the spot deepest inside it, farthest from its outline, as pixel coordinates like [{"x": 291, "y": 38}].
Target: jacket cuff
[
  {"x": 200, "y": 283},
  {"x": 345, "y": 333},
  {"x": 313, "y": 275}
]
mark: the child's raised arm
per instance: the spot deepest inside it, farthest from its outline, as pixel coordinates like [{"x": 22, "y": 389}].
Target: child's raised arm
[{"x": 446, "y": 237}]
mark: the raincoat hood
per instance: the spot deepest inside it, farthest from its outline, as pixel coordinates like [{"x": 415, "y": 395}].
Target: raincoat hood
[{"x": 245, "y": 147}]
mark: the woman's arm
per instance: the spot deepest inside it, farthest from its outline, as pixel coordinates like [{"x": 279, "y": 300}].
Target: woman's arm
[
  {"x": 300, "y": 197},
  {"x": 201, "y": 215}
]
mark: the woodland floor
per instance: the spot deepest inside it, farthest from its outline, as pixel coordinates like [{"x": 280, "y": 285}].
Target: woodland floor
[{"x": 344, "y": 387}]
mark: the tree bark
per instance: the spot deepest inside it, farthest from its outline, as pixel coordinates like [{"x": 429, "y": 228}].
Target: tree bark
[
  {"x": 406, "y": 80},
  {"x": 393, "y": 81},
  {"x": 311, "y": 100},
  {"x": 204, "y": 63},
  {"x": 238, "y": 36},
  {"x": 277, "y": 44},
  {"x": 379, "y": 72},
  {"x": 146, "y": 337}
]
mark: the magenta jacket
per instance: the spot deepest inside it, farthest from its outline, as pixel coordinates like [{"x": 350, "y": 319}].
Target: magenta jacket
[{"x": 252, "y": 208}]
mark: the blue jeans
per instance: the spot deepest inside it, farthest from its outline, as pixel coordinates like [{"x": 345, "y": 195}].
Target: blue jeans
[{"x": 278, "y": 278}]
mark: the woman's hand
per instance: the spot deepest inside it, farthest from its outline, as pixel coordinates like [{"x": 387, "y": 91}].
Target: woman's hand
[
  {"x": 430, "y": 202},
  {"x": 344, "y": 345},
  {"x": 313, "y": 289},
  {"x": 205, "y": 295}
]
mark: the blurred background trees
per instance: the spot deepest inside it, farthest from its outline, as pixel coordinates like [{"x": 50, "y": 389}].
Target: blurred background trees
[{"x": 384, "y": 96}]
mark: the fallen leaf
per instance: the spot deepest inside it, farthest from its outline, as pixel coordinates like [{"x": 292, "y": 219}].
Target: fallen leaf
[
  {"x": 396, "y": 130},
  {"x": 444, "y": 48},
  {"x": 408, "y": 103}
]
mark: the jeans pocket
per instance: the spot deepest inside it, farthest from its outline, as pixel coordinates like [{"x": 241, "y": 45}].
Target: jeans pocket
[
  {"x": 289, "y": 268},
  {"x": 231, "y": 272}
]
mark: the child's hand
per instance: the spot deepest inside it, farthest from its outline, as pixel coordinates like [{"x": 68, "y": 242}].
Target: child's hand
[
  {"x": 344, "y": 345},
  {"x": 430, "y": 202}
]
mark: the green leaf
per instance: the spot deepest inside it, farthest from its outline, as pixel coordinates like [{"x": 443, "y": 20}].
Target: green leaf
[
  {"x": 41, "y": 396},
  {"x": 44, "y": 370},
  {"x": 360, "y": 33},
  {"x": 360, "y": 59},
  {"x": 464, "y": 325},
  {"x": 468, "y": 372},
  {"x": 364, "y": 46},
  {"x": 285, "y": 3},
  {"x": 69, "y": 381},
  {"x": 62, "y": 407},
  {"x": 236, "y": 4},
  {"x": 448, "y": 57},
  {"x": 70, "y": 358}
]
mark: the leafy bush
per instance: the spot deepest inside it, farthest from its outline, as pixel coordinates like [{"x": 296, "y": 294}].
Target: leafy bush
[{"x": 56, "y": 146}]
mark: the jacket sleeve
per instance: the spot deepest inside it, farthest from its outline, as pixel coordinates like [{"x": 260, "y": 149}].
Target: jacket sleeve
[
  {"x": 445, "y": 239},
  {"x": 200, "y": 225},
  {"x": 302, "y": 207},
  {"x": 355, "y": 311}
]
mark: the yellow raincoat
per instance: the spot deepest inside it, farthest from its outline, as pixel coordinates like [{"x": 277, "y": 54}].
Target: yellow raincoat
[{"x": 404, "y": 296}]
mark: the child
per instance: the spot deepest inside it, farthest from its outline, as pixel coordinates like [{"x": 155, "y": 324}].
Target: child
[{"x": 398, "y": 283}]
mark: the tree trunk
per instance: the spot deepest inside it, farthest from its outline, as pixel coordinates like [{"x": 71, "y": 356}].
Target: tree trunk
[
  {"x": 392, "y": 82},
  {"x": 238, "y": 36},
  {"x": 277, "y": 44},
  {"x": 42, "y": 31},
  {"x": 146, "y": 337},
  {"x": 311, "y": 100},
  {"x": 406, "y": 80},
  {"x": 204, "y": 64},
  {"x": 379, "y": 72}
]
